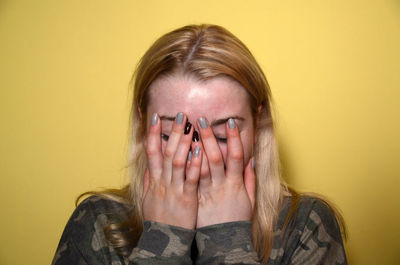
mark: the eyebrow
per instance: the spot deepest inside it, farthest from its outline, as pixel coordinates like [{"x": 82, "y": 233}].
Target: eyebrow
[
  {"x": 224, "y": 120},
  {"x": 167, "y": 118},
  {"x": 213, "y": 124}
]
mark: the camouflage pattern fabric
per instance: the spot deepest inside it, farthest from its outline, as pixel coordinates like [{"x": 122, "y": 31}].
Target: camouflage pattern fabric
[
  {"x": 226, "y": 243},
  {"x": 314, "y": 238},
  {"x": 163, "y": 244}
]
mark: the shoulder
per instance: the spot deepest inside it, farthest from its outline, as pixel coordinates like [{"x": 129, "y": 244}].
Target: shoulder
[
  {"x": 305, "y": 215},
  {"x": 310, "y": 233},
  {"x": 314, "y": 213},
  {"x": 86, "y": 224},
  {"x": 307, "y": 207},
  {"x": 96, "y": 205},
  {"x": 97, "y": 208},
  {"x": 83, "y": 236}
]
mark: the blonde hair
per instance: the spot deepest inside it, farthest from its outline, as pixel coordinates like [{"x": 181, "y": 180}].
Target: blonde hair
[{"x": 205, "y": 52}]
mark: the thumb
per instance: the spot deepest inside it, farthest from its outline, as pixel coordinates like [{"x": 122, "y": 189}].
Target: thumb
[
  {"x": 146, "y": 179},
  {"x": 250, "y": 181}
]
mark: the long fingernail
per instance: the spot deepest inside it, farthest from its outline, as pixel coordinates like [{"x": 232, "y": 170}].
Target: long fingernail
[
  {"x": 189, "y": 156},
  {"x": 154, "y": 119},
  {"x": 231, "y": 123},
  {"x": 179, "y": 118},
  {"x": 195, "y": 137},
  {"x": 188, "y": 126},
  {"x": 253, "y": 163},
  {"x": 203, "y": 123},
  {"x": 196, "y": 151}
]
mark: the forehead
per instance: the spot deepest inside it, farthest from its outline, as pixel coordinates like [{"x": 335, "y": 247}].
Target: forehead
[{"x": 213, "y": 98}]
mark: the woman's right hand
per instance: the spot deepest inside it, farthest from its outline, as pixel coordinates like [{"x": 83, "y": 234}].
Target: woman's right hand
[{"x": 170, "y": 185}]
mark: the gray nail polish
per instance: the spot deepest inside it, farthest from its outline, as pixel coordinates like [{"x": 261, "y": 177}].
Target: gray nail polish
[
  {"x": 154, "y": 119},
  {"x": 253, "y": 163},
  {"x": 189, "y": 156},
  {"x": 203, "y": 123},
  {"x": 179, "y": 118},
  {"x": 196, "y": 151},
  {"x": 231, "y": 123}
]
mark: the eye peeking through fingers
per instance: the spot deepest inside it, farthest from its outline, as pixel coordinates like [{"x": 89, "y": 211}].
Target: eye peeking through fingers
[
  {"x": 221, "y": 139},
  {"x": 164, "y": 137}
]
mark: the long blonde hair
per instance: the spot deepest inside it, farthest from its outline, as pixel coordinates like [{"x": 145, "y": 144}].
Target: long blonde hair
[{"x": 205, "y": 52}]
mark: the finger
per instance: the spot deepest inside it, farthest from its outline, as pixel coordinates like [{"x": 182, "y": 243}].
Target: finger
[
  {"x": 193, "y": 173},
  {"x": 212, "y": 151},
  {"x": 146, "y": 181},
  {"x": 189, "y": 157},
  {"x": 250, "y": 181},
  {"x": 234, "y": 158},
  {"x": 172, "y": 144},
  {"x": 205, "y": 176},
  {"x": 181, "y": 156},
  {"x": 153, "y": 148},
  {"x": 195, "y": 139}
]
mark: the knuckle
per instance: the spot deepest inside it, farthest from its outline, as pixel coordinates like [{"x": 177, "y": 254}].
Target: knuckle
[
  {"x": 168, "y": 153},
  {"x": 178, "y": 163},
  {"x": 237, "y": 155},
  {"x": 235, "y": 185},
  {"x": 193, "y": 183},
  {"x": 189, "y": 180},
  {"x": 150, "y": 150},
  {"x": 205, "y": 173},
  {"x": 215, "y": 158}
]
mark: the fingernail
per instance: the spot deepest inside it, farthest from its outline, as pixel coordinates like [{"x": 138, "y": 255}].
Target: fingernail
[
  {"x": 154, "y": 119},
  {"x": 253, "y": 163},
  {"x": 203, "y": 123},
  {"x": 231, "y": 123},
  {"x": 189, "y": 156},
  {"x": 188, "y": 126},
  {"x": 179, "y": 118},
  {"x": 196, "y": 151},
  {"x": 195, "y": 137}
]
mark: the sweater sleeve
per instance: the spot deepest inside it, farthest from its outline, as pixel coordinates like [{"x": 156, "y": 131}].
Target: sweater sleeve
[
  {"x": 83, "y": 240},
  {"x": 316, "y": 239},
  {"x": 67, "y": 253},
  {"x": 226, "y": 243},
  {"x": 163, "y": 244}
]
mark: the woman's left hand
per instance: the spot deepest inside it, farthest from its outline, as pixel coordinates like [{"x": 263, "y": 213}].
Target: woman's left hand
[{"x": 225, "y": 194}]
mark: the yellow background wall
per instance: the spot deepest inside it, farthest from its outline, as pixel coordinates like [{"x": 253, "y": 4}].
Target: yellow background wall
[{"x": 64, "y": 70}]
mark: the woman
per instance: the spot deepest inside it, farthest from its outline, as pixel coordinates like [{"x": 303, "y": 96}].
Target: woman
[{"x": 205, "y": 186}]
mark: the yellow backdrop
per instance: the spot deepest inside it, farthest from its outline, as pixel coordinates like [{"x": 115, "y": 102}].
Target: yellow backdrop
[{"x": 64, "y": 70}]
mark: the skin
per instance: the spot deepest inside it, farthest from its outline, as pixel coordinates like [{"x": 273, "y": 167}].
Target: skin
[{"x": 216, "y": 186}]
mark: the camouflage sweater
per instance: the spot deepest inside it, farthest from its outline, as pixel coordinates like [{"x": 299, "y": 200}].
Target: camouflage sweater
[{"x": 314, "y": 238}]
